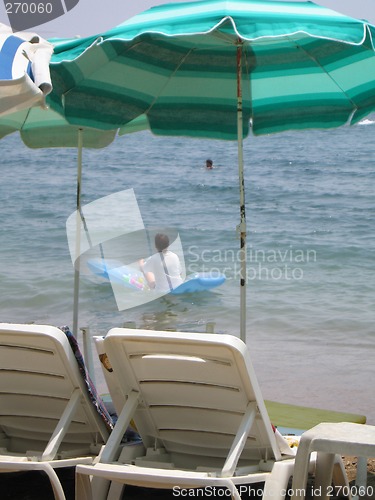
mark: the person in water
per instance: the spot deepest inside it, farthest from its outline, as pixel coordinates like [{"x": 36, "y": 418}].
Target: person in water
[
  {"x": 209, "y": 164},
  {"x": 163, "y": 269}
]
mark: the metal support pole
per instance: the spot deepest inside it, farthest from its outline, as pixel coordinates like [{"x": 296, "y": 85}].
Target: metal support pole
[
  {"x": 78, "y": 235},
  {"x": 242, "y": 225},
  {"x": 87, "y": 352}
]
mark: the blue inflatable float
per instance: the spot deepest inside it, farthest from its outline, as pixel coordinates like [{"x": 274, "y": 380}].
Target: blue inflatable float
[{"x": 114, "y": 271}]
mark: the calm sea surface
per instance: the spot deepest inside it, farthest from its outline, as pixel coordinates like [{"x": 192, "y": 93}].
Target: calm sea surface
[{"x": 310, "y": 200}]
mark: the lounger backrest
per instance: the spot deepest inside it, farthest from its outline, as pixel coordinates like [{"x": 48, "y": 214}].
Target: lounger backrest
[
  {"x": 195, "y": 390},
  {"x": 40, "y": 386}
]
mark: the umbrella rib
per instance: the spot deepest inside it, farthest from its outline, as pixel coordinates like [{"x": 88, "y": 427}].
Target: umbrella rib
[
  {"x": 26, "y": 117},
  {"x": 164, "y": 86},
  {"x": 156, "y": 97},
  {"x": 355, "y": 107}
]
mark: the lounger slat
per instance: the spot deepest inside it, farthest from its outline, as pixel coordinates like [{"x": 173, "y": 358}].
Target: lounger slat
[
  {"x": 39, "y": 405},
  {"x": 210, "y": 396},
  {"x": 198, "y": 418},
  {"x": 28, "y": 386},
  {"x": 158, "y": 367}
]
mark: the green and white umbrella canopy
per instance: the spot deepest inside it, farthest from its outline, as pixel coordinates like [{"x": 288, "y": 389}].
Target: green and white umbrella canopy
[
  {"x": 303, "y": 66},
  {"x": 45, "y": 128},
  {"x": 209, "y": 68}
]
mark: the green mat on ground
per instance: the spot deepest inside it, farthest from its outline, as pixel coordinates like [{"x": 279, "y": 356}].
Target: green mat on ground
[{"x": 301, "y": 417}]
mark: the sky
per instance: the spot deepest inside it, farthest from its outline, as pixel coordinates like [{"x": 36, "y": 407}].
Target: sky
[{"x": 94, "y": 16}]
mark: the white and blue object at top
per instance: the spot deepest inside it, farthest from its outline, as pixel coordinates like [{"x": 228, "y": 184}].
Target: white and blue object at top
[
  {"x": 24, "y": 70},
  {"x": 129, "y": 277}
]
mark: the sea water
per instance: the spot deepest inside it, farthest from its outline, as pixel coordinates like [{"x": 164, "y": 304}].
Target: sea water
[{"x": 310, "y": 200}]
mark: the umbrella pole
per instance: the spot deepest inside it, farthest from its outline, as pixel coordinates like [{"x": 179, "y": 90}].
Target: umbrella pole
[
  {"x": 77, "y": 262},
  {"x": 242, "y": 225}
]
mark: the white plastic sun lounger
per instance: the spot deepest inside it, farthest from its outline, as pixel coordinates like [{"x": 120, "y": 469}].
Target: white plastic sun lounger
[
  {"x": 47, "y": 419},
  {"x": 197, "y": 405}
]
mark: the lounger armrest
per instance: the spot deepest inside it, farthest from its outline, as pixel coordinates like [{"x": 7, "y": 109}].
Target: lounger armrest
[{"x": 32, "y": 466}]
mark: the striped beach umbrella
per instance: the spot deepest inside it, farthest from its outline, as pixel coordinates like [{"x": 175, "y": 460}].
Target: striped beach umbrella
[
  {"x": 24, "y": 70},
  {"x": 211, "y": 68}
]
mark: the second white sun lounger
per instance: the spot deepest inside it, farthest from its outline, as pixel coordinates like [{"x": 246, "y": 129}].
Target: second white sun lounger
[{"x": 197, "y": 405}]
